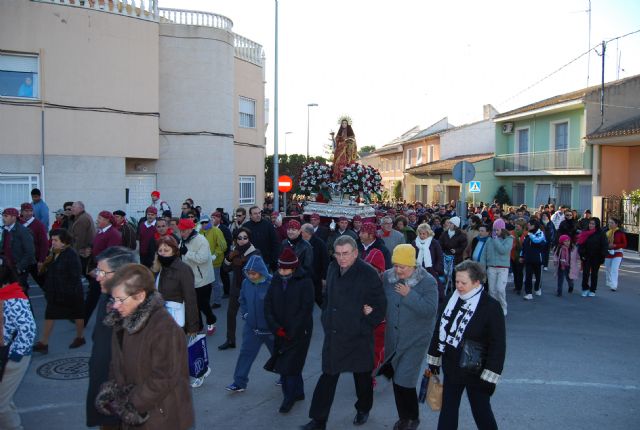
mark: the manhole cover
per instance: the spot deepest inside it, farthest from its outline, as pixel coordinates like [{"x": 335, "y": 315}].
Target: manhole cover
[{"x": 65, "y": 368}]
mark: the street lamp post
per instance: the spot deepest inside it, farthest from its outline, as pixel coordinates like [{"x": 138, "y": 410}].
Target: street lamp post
[
  {"x": 276, "y": 173},
  {"x": 309, "y": 106},
  {"x": 285, "y": 140}
]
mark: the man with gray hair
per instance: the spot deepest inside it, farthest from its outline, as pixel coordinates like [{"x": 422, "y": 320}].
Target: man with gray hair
[
  {"x": 354, "y": 304},
  {"x": 109, "y": 262},
  {"x": 320, "y": 260},
  {"x": 389, "y": 236}
]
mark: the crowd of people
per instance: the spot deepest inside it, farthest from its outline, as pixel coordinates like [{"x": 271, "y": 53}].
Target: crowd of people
[{"x": 415, "y": 279}]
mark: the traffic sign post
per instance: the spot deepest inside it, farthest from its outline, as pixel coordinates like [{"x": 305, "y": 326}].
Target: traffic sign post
[
  {"x": 462, "y": 172},
  {"x": 474, "y": 188},
  {"x": 285, "y": 184}
]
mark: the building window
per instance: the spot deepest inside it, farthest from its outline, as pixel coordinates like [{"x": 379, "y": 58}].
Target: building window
[
  {"x": 409, "y": 154},
  {"x": 398, "y": 162},
  {"x": 522, "y": 149},
  {"x": 247, "y": 113},
  {"x": 430, "y": 153},
  {"x": 561, "y": 135},
  {"x": 419, "y": 156},
  {"x": 543, "y": 194},
  {"x": 16, "y": 189},
  {"x": 518, "y": 193},
  {"x": 564, "y": 195},
  {"x": 247, "y": 190},
  {"x": 584, "y": 197},
  {"x": 417, "y": 192},
  {"x": 19, "y": 76}
]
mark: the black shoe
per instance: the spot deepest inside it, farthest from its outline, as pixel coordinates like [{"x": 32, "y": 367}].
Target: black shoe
[
  {"x": 286, "y": 406},
  {"x": 400, "y": 425},
  {"x": 226, "y": 345},
  {"x": 570, "y": 290},
  {"x": 298, "y": 398},
  {"x": 411, "y": 425},
  {"x": 216, "y": 306},
  {"x": 314, "y": 425},
  {"x": 360, "y": 418},
  {"x": 517, "y": 291}
]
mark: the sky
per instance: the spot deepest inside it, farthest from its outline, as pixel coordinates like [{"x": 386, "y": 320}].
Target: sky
[{"x": 392, "y": 66}]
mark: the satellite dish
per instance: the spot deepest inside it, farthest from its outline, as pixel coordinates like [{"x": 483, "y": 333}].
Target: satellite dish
[{"x": 467, "y": 168}]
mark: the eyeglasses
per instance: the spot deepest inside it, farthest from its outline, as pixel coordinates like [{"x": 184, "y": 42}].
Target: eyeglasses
[
  {"x": 243, "y": 237},
  {"x": 118, "y": 301},
  {"x": 102, "y": 273}
]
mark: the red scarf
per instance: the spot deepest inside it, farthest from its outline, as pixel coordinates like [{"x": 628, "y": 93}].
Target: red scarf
[
  {"x": 12, "y": 291},
  {"x": 157, "y": 236},
  {"x": 584, "y": 235}
]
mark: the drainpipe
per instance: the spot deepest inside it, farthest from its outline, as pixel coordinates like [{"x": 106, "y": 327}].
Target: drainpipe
[{"x": 42, "y": 181}]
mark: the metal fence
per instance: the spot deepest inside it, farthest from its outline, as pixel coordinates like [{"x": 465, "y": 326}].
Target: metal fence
[{"x": 629, "y": 215}]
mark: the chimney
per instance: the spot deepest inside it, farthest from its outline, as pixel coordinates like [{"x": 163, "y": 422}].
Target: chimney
[{"x": 488, "y": 111}]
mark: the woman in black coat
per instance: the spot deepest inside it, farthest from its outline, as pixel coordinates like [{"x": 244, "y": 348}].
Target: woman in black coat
[
  {"x": 289, "y": 314},
  {"x": 593, "y": 247},
  {"x": 63, "y": 290},
  {"x": 469, "y": 316}
]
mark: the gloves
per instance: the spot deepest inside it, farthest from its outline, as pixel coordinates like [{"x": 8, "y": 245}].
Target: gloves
[
  {"x": 435, "y": 370},
  {"x": 281, "y": 333},
  {"x": 183, "y": 249},
  {"x": 488, "y": 387}
]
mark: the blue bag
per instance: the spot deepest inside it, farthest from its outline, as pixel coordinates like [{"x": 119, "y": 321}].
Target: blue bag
[{"x": 198, "y": 355}]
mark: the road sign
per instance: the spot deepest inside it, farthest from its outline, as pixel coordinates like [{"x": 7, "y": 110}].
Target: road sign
[
  {"x": 474, "y": 186},
  {"x": 463, "y": 171},
  {"x": 285, "y": 184}
]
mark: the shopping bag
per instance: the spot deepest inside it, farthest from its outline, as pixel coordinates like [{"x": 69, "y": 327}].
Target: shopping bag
[
  {"x": 198, "y": 355},
  {"x": 434, "y": 393}
]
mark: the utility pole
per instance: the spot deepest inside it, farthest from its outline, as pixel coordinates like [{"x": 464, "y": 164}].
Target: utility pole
[{"x": 604, "y": 48}]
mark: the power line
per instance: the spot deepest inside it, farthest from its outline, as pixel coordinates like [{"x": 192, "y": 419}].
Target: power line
[{"x": 567, "y": 64}]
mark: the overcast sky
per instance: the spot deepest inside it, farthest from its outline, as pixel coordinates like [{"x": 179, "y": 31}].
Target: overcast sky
[{"x": 392, "y": 65}]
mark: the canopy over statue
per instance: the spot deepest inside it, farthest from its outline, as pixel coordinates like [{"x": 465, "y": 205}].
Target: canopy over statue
[{"x": 345, "y": 150}]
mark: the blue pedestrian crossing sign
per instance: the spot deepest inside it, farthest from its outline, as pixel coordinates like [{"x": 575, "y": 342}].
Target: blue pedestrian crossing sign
[{"x": 474, "y": 186}]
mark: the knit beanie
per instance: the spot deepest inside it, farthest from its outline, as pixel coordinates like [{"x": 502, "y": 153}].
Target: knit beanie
[
  {"x": 455, "y": 221},
  {"x": 287, "y": 259},
  {"x": 376, "y": 259},
  {"x": 563, "y": 238},
  {"x": 404, "y": 255}
]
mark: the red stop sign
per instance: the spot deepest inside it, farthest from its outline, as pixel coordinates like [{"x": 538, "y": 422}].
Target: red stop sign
[{"x": 285, "y": 184}]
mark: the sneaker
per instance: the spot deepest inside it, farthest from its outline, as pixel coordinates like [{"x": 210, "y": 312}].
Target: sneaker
[
  {"x": 211, "y": 329},
  {"x": 538, "y": 292},
  {"x": 585, "y": 293},
  {"x": 234, "y": 388},
  {"x": 591, "y": 294},
  {"x": 528, "y": 297},
  {"x": 197, "y": 382},
  {"x": 545, "y": 269}
]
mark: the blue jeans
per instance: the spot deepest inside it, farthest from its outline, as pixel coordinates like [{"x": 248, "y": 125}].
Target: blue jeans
[
  {"x": 251, "y": 343},
  {"x": 217, "y": 287},
  {"x": 562, "y": 274}
]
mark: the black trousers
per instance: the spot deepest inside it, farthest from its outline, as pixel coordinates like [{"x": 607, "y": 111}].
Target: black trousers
[
  {"x": 590, "y": 272},
  {"x": 232, "y": 312},
  {"x": 530, "y": 270},
  {"x": 479, "y": 400},
  {"x": 203, "y": 295},
  {"x": 406, "y": 402},
  {"x": 326, "y": 389},
  {"x": 226, "y": 282},
  {"x": 92, "y": 298},
  {"x": 292, "y": 386},
  {"x": 518, "y": 275}
]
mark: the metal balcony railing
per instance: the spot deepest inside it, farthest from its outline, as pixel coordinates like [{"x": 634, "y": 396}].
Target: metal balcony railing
[{"x": 570, "y": 159}]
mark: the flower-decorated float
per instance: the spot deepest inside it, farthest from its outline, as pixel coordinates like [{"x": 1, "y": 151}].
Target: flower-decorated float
[{"x": 346, "y": 188}]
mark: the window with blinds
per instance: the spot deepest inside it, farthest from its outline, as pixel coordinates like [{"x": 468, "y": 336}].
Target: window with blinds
[
  {"x": 19, "y": 76},
  {"x": 247, "y": 112},
  {"x": 247, "y": 190}
]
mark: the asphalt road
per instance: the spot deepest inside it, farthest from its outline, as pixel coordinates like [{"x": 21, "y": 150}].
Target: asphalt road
[{"x": 572, "y": 363}]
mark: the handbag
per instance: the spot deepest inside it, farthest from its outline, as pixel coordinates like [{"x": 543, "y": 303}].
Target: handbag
[
  {"x": 434, "y": 393},
  {"x": 198, "y": 355},
  {"x": 472, "y": 356}
]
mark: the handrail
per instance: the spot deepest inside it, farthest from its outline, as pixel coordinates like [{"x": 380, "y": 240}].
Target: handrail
[
  {"x": 570, "y": 159},
  {"x": 194, "y": 17},
  {"x": 119, "y": 7}
]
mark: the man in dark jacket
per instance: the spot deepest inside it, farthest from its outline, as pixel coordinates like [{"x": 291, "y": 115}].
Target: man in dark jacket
[
  {"x": 369, "y": 240},
  {"x": 128, "y": 233},
  {"x": 263, "y": 237},
  {"x": 300, "y": 247},
  {"x": 354, "y": 305},
  {"x": 17, "y": 246},
  {"x": 40, "y": 240},
  {"x": 320, "y": 260},
  {"x": 321, "y": 231},
  {"x": 109, "y": 261}
]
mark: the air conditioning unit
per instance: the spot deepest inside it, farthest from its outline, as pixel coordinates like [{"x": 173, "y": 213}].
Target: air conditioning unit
[{"x": 507, "y": 127}]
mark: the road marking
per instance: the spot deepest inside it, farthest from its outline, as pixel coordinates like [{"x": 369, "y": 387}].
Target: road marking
[
  {"x": 47, "y": 406},
  {"x": 628, "y": 271},
  {"x": 571, "y": 384}
]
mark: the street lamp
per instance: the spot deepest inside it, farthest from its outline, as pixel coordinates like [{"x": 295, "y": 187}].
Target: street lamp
[
  {"x": 308, "y": 106},
  {"x": 285, "y": 140},
  {"x": 276, "y": 173}
]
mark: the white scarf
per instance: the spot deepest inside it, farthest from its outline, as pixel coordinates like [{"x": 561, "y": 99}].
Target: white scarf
[
  {"x": 424, "y": 254},
  {"x": 458, "y": 325},
  {"x": 451, "y": 233}
]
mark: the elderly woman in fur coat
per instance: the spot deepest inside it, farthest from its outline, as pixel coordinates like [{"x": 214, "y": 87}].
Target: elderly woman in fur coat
[
  {"x": 151, "y": 393},
  {"x": 412, "y": 305}
]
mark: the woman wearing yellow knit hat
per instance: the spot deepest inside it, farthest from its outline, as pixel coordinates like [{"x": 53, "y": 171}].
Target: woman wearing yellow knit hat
[{"x": 412, "y": 301}]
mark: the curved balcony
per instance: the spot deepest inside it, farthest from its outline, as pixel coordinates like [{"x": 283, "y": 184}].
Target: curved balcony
[
  {"x": 142, "y": 10},
  {"x": 193, "y": 17}
]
